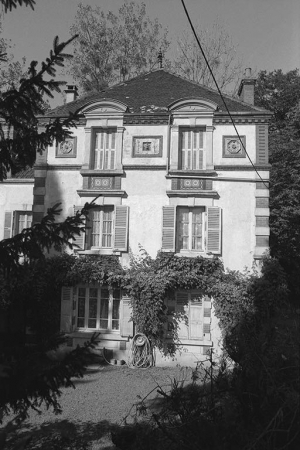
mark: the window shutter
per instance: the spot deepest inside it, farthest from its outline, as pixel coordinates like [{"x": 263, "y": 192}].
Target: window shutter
[
  {"x": 8, "y": 224},
  {"x": 168, "y": 231},
  {"x": 66, "y": 309},
  {"x": 182, "y": 301},
  {"x": 262, "y": 144},
  {"x": 126, "y": 323},
  {"x": 80, "y": 240},
  {"x": 74, "y": 308},
  {"x": 196, "y": 320},
  {"x": 214, "y": 229},
  {"x": 121, "y": 228},
  {"x": 207, "y": 319}
]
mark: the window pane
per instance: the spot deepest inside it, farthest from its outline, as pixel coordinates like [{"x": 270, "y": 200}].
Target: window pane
[
  {"x": 197, "y": 230},
  {"x": 107, "y": 228},
  {"x": 115, "y": 314},
  {"x": 93, "y": 292},
  {"x": 104, "y": 308},
  {"x": 182, "y": 229},
  {"x": 96, "y": 228},
  {"x": 81, "y": 308}
]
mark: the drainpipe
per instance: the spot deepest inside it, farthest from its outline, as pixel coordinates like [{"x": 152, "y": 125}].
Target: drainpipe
[{"x": 168, "y": 144}]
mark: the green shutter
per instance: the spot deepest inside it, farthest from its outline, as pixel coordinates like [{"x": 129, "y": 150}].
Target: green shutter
[
  {"x": 8, "y": 224},
  {"x": 126, "y": 323},
  {"x": 214, "y": 229},
  {"x": 121, "y": 228},
  {"x": 262, "y": 144},
  {"x": 168, "y": 231},
  {"x": 79, "y": 240},
  {"x": 66, "y": 309}
]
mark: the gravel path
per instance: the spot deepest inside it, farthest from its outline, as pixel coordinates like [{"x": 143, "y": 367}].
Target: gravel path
[{"x": 102, "y": 398}]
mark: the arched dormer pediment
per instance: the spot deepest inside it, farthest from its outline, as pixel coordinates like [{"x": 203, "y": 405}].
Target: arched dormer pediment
[
  {"x": 193, "y": 106},
  {"x": 104, "y": 107}
]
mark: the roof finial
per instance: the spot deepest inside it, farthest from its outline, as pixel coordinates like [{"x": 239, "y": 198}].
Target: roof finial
[{"x": 160, "y": 58}]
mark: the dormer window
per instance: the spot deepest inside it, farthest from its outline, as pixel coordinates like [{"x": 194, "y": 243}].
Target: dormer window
[{"x": 105, "y": 149}]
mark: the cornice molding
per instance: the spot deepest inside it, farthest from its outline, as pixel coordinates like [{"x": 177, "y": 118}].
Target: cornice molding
[
  {"x": 193, "y": 193},
  {"x": 102, "y": 193},
  {"x": 58, "y": 167},
  {"x": 266, "y": 167},
  {"x": 143, "y": 167}
]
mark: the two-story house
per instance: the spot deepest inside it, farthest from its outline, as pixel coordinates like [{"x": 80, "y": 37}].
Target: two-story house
[{"x": 162, "y": 158}]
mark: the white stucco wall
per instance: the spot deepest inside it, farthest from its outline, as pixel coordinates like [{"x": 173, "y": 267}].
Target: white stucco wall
[{"x": 14, "y": 196}]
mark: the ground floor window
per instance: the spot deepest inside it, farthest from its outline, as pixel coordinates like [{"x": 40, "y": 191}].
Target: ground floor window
[
  {"x": 188, "y": 315},
  {"x": 98, "y": 308}
]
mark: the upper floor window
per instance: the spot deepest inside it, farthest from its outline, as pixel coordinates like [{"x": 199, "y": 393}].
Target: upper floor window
[
  {"x": 102, "y": 227},
  {"x": 191, "y": 148},
  {"x": 15, "y": 222},
  {"x": 107, "y": 229},
  {"x": 105, "y": 149},
  {"x": 190, "y": 228}
]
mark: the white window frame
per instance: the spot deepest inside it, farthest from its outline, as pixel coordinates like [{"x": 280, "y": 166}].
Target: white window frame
[
  {"x": 27, "y": 222},
  {"x": 102, "y": 210},
  {"x": 100, "y": 297},
  {"x": 175, "y": 306},
  {"x": 190, "y": 210},
  {"x": 104, "y": 149},
  {"x": 193, "y": 149}
]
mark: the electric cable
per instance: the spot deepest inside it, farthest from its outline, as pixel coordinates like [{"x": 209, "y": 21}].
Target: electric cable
[{"x": 219, "y": 91}]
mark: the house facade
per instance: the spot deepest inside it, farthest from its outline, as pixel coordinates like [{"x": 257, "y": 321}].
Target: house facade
[{"x": 161, "y": 159}]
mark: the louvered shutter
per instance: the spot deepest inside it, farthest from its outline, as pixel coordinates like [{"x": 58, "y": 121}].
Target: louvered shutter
[
  {"x": 214, "y": 229},
  {"x": 121, "y": 228},
  {"x": 168, "y": 231},
  {"x": 262, "y": 144},
  {"x": 8, "y": 224},
  {"x": 66, "y": 309},
  {"x": 182, "y": 302},
  {"x": 196, "y": 317},
  {"x": 74, "y": 307},
  {"x": 126, "y": 323},
  {"x": 207, "y": 319},
  {"x": 80, "y": 240}
]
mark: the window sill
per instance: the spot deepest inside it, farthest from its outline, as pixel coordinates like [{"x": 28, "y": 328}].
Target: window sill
[
  {"x": 105, "y": 193},
  {"x": 194, "y": 193},
  {"x": 194, "y": 254},
  {"x": 103, "y": 336},
  {"x": 202, "y": 342},
  {"x": 207, "y": 172},
  {"x": 99, "y": 251},
  {"x": 94, "y": 172}
]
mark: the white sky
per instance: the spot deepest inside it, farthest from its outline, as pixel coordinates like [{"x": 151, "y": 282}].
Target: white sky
[{"x": 267, "y": 32}]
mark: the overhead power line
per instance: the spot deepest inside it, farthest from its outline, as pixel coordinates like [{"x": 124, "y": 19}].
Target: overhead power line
[{"x": 219, "y": 90}]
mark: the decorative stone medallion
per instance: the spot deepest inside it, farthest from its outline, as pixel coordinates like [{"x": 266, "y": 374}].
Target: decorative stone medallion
[
  {"x": 67, "y": 148},
  {"x": 147, "y": 146},
  {"x": 233, "y": 147}
]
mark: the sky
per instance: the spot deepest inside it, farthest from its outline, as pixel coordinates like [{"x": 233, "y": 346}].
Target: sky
[{"x": 266, "y": 32}]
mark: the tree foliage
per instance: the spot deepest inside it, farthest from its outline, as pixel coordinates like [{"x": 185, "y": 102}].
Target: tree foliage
[
  {"x": 112, "y": 48},
  {"x": 280, "y": 93},
  {"x": 20, "y": 108},
  {"x": 220, "y": 52}
]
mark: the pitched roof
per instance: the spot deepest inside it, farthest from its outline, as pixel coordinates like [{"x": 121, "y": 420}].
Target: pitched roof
[{"x": 154, "y": 92}]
